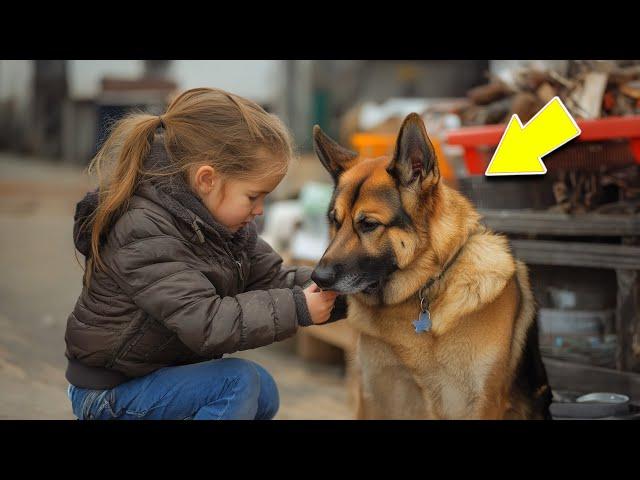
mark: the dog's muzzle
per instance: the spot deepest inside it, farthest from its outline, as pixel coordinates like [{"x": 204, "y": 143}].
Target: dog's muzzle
[{"x": 324, "y": 277}]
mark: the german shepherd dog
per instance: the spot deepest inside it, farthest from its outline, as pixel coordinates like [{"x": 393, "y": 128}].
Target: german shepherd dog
[{"x": 445, "y": 315}]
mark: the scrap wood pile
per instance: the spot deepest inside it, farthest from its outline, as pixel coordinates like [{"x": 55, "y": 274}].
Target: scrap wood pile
[
  {"x": 590, "y": 89},
  {"x": 594, "y": 176},
  {"x": 587, "y": 176}
]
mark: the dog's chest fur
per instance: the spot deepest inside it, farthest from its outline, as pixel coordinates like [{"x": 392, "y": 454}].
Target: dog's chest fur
[
  {"x": 442, "y": 373},
  {"x": 423, "y": 377}
]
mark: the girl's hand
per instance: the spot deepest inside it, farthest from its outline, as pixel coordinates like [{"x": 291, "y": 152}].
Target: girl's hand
[{"x": 319, "y": 302}]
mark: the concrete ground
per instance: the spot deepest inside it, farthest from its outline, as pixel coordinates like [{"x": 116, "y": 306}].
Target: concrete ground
[{"x": 41, "y": 280}]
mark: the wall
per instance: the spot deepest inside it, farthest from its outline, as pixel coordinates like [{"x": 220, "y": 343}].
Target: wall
[
  {"x": 257, "y": 79},
  {"x": 16, "y": 85}
]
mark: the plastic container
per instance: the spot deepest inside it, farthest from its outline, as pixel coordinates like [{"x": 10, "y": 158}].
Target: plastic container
[{"x": 372, "y": 145}]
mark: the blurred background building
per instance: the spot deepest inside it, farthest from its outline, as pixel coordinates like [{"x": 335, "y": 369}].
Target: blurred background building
[{"x": 60, "y": 108}]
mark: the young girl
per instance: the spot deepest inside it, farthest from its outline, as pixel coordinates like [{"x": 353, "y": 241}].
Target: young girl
[{"x": 176, "y": 275}]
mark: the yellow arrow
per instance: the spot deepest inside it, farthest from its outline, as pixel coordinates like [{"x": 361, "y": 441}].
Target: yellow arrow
[{"x": 521, "y": 148}]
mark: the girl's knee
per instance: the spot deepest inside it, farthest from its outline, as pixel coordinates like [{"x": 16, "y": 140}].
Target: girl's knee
[
  {"x": 254, "y": 384},
  {"x": 245, "y": 373},
  {"x": 269, "y": 400}
]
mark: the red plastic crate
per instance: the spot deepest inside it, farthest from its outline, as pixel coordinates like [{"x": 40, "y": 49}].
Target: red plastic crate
[{"x": 609, "y": 128}]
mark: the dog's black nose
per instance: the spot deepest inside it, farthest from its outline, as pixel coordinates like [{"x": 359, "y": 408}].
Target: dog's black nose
[{"x": 324, "y": 276}]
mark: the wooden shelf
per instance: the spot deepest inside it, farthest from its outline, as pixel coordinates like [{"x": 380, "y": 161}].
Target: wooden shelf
[
  {"x": 587, "y": 378},
  {"x": 547, "y": 223},
  {"x": 577, "y": 254}
]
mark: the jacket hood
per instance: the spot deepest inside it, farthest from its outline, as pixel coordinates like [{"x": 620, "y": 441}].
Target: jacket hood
[{"x": 174, "y": 195}]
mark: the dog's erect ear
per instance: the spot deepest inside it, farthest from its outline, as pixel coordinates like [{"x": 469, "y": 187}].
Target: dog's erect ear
[
  {"x": 414, "y": 157},
  {"x": 335, "y": 158}
]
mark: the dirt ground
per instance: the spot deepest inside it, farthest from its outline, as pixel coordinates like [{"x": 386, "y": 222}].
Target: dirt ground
[{"x": 41, "y": 280}]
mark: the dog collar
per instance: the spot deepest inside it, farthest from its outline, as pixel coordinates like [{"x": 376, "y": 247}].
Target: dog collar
[{"x": 423, "y": 323}]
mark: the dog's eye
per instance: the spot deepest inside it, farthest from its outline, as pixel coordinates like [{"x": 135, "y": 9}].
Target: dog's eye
[
  {"x": 333, "y": 219},
  {"x": 368, "y": 225}
]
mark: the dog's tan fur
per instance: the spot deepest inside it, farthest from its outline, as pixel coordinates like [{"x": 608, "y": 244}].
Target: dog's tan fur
[{"x": 482, "y": 308}]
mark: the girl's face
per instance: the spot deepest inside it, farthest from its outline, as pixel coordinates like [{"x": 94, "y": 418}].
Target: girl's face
[{"x": 233, "y": 203}]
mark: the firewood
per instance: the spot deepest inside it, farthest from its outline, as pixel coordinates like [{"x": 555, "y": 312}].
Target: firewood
[
  {"x": 631, "y": 89},
  {"x": 531, "y": 79},
  {"x": 526, "y": 105},
  {"x": 485, "y": 94},
  {"x": 498, "y": 112},
  {"x": 620, "y": 76},
  {"x": 588, "y": 97},
  {"x": 546, "y": 92},
  {"x": 624, "y": 106}
]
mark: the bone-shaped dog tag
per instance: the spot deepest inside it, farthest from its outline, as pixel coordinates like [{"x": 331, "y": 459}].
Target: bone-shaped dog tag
[{"x": 423, "y": 324}]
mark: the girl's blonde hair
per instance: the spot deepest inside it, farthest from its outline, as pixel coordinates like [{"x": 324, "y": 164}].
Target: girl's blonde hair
[{"x": 202, "y": 126}]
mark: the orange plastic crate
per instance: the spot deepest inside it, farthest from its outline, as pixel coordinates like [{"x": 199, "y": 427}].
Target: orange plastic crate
[{"x": 372, "y": 145}]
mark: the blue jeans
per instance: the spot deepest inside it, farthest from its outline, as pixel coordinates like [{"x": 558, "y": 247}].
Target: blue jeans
[{"x": 224, "y": 389}]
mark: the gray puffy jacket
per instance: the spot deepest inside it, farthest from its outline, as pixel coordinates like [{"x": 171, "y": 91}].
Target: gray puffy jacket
[{"x": 179, "y": 288}]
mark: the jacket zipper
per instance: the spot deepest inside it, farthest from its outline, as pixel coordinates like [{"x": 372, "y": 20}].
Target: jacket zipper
[
  {"x": 200, "y": 235},
  {"x": 237, "y": 262}
]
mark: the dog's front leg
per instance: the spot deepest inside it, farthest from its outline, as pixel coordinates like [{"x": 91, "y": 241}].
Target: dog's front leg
[
  {"x": 358, "y": 396},
  {"x": 360, "y": 407},
  {"x": 492, "y": 405}
]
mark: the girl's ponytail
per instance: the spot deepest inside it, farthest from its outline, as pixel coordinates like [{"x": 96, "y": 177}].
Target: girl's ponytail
[
  {"x": 202, "y": 126},
  {"x": 124, "y": 151}
]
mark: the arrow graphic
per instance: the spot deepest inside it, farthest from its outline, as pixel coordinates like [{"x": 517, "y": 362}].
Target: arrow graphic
[{"x": 521, "y": 147}]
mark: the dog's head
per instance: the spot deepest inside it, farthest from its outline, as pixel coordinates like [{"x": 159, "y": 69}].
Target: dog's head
[{"x": 379, "y": 212}]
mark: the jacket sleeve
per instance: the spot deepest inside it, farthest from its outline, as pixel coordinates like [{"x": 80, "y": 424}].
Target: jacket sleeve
[
  {"x": 177, "y": 294},
  {"x": 267, "y": 271}
]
